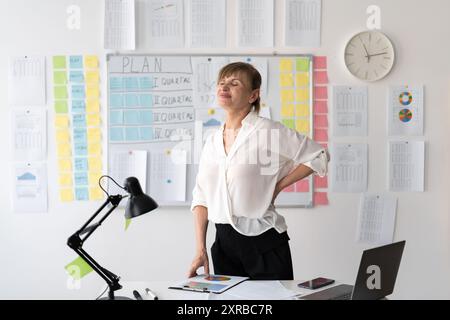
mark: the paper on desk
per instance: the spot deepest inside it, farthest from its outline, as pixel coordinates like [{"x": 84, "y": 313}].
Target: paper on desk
[{"x": 255, "y": 290}]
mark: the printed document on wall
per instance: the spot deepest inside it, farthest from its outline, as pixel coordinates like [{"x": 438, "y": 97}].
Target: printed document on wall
[
  {"x": 255, "y": 23},
  {"x": 120, "y": 24},
  {"x": 29, "y": 192},
  {"x": 349, "y": 167},
  {"x": 207, "y": 21},
  {"x": 124, "y": 164},
  {"x": 29, "y": 135},
  {"x": 376, "y": 219},
  {"x": 406, "y": 165},
  {"x": 26, "y": 80},
  {"x": 405, "y": 114},
  {"x": 165, "y": 23},
  {"x": 350, "y": 111},
  {"x": 302, "y": 23}
]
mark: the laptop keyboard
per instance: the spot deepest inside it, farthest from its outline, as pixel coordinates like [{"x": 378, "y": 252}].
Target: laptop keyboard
[{"x": 346, "y": 296}]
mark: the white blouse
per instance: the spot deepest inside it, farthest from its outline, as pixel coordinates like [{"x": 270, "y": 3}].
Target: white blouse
[{"x": 238, "y": 188}]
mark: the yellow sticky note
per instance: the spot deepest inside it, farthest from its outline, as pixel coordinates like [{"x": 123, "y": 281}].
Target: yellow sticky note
[
  {"x": 302, "y": 79},
  {"x": 65, "y": 165},
  {"x": 286, "y": 65},
  {"x": 91, "y": 62},
  {"x": 302, "y": 94},
  {"x": 302, "y": 110},
  {"x": 287, "y": 110},
  {"x": 93, "y": 177},
  {"x": 92, "y": 76},
  {"x": 92, "y": 105},
  {"x": 61, "y": 121},
  {"x": 94, "y": 148},
  {"x": 95, "y": 193},
  {"x": 92, "y": 92},
  {"x": 302, "y": 126},
  {"x": 287, "y": 95},
  {"x": 64, "y": 150},
  {"x": 65, "y": 179},
  {"x": 95, "y": 164},
  {"x": 286, "y": 80},
  {"x": 63, "y": 135},
  {"x": 66, "y": 195},
  {"x": 93, "y": 120}
]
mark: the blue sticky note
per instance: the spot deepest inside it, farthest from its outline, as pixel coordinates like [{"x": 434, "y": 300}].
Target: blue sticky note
[
  {"x": 81, "y": 193},
  {"x": 131, "y": 100},
  {"x": 79, "y": 120},
  {"x": 115, "y": 117},
  {"x": 131, "y": 83},
  {"x": 146, "y": 117},
  {"x": 145, "y": 100},
  {"x": 146, "y": 133},
  {"x": 79, "y": 135},
  {"x": 145, "y": 83},
  {"x": 78, "y": 106},
  {"x": 80, "y": 164},
  {"x": 76, "y": 62},
  {"x": 131, "y": 117},
  {"x": 81, "y": 178},
  {"x": 80, "y": 149},
  {"x": 76, "y": 76},
  {"x": 115, "y": 84},
  {"x": 132, "y": 134},
  {"x": 116, "y": 100},
  {"x": 78, "y": 92},
  {"x": 116, "y": 134}
]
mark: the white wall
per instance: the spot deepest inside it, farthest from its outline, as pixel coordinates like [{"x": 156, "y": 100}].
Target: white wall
[{"x": 33, "y": 248}]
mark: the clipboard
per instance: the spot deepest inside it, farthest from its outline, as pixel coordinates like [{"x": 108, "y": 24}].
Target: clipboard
[{"x": 209, "y": 283}]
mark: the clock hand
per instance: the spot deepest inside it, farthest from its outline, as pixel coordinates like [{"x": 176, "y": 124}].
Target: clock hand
[
  {"x": 367, "y": 53},
  {"x": 377, "y": 54}
]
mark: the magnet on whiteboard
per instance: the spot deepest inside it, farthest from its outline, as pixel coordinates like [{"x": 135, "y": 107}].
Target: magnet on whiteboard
[{"x": 211, "y": 111}]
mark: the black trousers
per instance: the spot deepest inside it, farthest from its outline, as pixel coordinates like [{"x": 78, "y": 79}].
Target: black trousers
[{"x": 263, "y": 257}]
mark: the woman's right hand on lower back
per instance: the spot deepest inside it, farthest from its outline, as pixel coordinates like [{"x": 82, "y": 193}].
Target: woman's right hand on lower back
[{"x": 200, "y": 260}]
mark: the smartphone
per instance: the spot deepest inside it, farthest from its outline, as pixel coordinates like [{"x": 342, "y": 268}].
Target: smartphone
[{"x": 316, "y": 283}]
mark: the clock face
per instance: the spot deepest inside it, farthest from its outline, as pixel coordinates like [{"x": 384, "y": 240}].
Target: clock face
[{"x": 369, "y": 55}]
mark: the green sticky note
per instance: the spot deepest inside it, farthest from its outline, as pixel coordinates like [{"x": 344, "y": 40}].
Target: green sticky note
[
  {"x": 127, "y": 223},
  {"x": 78, "y": 268},
  {"x": 59, "y": 77},
  {"x": 61, "y": 106},
  {"x": 60, "y": 92},
  {"x": 303, "y": 64},
  {"x": 288, "y": 123},
  {"x": 59, "y": 62}
]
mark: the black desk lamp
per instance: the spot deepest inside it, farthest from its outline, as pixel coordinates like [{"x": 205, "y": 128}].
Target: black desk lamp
[{"x": 138, "y": 204}]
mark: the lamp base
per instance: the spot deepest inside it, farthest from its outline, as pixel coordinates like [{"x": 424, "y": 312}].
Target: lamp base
[{"x": 116, "y": 298}]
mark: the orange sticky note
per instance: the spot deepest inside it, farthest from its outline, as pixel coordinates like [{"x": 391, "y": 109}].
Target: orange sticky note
[
  {"x": 320, "y": 121},
  {"x": 320, "y": 77},
  {"x": 302, "y": 186},
  {"x": 320, "y": 106},
  {"x": 290, "y": 188},
  {"x": 320, "y": 182},
  {"x": 320, "y": 135},
  {"x": 320, "y": 198},
  {"x": 320, "y": 92},
  {"x": 320, "y": 62}
]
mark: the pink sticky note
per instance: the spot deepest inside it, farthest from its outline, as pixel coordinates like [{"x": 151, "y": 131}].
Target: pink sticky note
[
  {"x": 320, "y": 106},
  {"x": 290, "y": 188},
  {"x": 320, "y": 198},
  {"x": 325, "y": 145},
  {"x": 302, "y": 186},
  {"x": 321, "y": 92},
  {"x": 320, "y": 77},
  {"x": 321, "y": 135},
  {"x": 320, "y": 62},
  {"x": 320, "y": 121},
  {"x": 320, "y": 182}
]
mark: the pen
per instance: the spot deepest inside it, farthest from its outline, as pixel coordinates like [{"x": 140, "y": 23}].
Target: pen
[
  {"x": 137, "y": 295},
  {"x": 151, "y": 293}
]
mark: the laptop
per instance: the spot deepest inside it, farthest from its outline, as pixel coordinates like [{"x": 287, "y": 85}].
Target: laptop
[{"x": 376, "y": 276}]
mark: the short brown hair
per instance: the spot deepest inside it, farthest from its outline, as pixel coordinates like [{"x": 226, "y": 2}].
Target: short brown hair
[{"x": 250, "y": 71}]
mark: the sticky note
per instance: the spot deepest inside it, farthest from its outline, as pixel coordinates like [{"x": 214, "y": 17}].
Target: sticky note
[
  {"x": 145, "y": 100},
  {"x": 116, "y": 100},
  {"x": 79, "y": 120},
  {"x": 61, "y": 121},
  {"x": 80, "y": 164},
  {"x": 94, "y": 134},
  {"x": 60, "y": 77},
  {"x": 287, "y": 95},
  {"x": 131, "y": 117},
  {"x": 65, "y": 165},
  {"x": 320, "y": 182},
  {"x": 146, "y": 133},
  {"x": 78, "y": 106},
  {"x": 320, "y": 135},
  {"x": 76, "y": 77},
  {"x": 81, "y": 178},
  {"x": 131, "y": 100},
  {"x": 115, "y": 117},
  {"x": 92, "y": 76},
  {"x": 78, "y": 92},
  {"x": 302, "y": 64},
  {"x": 94, "y": 148},
  {"x": 92, "y": 105},
  {"x": 320, "y": 198},
  {"x": 320, "y": 121},
  {"x": 116, "y": 134},
  {"x": 131, "y": 83},
  {"x": 60, "y": 92},
  {"x": 66, "y": 195},
  {"x": 302, "y": 110},
  {"x": 82, "y": 194},
  {"x": 63, "y": 150},
  {"x": 289, "y": 188},
  {"x": 91, "y": 62},
  {"x": 286, "y": 65},
  {"x": 78, "y": 268},
  {"x": 302, "y": 95},
  {"x": 288, "y": 123},
  {"x": 76, "y": 62},
  {"x": 321, "y": 92},
  {"x": 320, "y": 62},
  {"x": 302, "y": 125},
  {"x": 302, "y": 186},
  {"x": 132, "y": 134},
  {"x": 95, "y": 163},
  {"x": 95, "y": 193},
  {"x": 80, "y": 149},
  {"x": 65, "y": 179},
  {"x": 320, "y": 77},
  {"x": 63, "y": 136},
  {"x": 287, "y": 110},
  {"x": 93, "y": 177},
  {"x": 320, "y": 106},
  {"x": 92, "y": 92},
  {"x": 79, "y": 135},
  {"x": 61, "y": 106},
  {"x": 146, "y": 117},
  {"x": 59, "y": 62},
  {"x": 145, "y": 83},
  {"x": 93, "y": 120},
  {"x": 323, "y": 144},
  {"x": 302, "y": 79},
  {"x": 286, "y": 80},
  {"x": 115, "y": 84}
]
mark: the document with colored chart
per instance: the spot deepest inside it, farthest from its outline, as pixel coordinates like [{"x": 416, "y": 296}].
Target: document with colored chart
[
  {"x": 405, "y": 111},
  {"x": 29, "y": 192}
]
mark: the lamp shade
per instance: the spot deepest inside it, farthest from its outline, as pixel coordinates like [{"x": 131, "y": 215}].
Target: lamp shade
[{"x": 138, "y": 202}]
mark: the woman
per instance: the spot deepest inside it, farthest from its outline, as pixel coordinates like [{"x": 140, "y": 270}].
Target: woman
[{"x": 236, "y": 186}]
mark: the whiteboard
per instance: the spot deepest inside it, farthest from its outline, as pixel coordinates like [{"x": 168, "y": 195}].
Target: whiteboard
[{"x": 171, "y": 100}]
